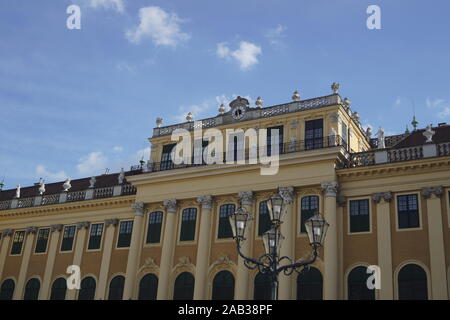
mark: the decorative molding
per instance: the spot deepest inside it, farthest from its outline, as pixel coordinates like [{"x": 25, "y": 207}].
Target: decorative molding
[
  {"x": 56, "y": 227},
  {"x": 386, "y": 196},
  {"x": 246, "y": 197},
  {"x": 308, "y": 191},
  {"x": 341, "y": 200},
  {"x": 84, "y": 224},
  {"x": 287, "y": 193},
  {"x": 330, "y": 188},
  {"x": 222, "y": 263},
  {"x": 205, "y": 201},
  {"x": 184, "y": 264},
  {"x": 437, "y": 191},
  {"x": 170, "y": 205},
  {"x": 31, "y": 230},
  {"x": 7, "y": 232},
  {"x": 139, "y": 208},
  {"x": 111, "y": 222},
  {"x": 149, "y": 265}
]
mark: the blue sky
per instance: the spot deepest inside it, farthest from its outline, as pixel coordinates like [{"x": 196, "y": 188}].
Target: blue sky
[{"x": 74, "y": 102}]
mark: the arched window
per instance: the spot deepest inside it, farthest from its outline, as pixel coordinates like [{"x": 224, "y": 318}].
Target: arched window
[
  {"x": 262, "y": 287},
  {"x": 184, "y": 287},
  {"x": 7, "y": 289},
  {"x": 357, "y": 285},
  {"x": 87, "y": 289},
  {"x": 116, "y": 288},
  {"x": 309, "y": 206},
  {"x": 412, "y": 283},
  {"x": 223, "y": 286},
  {"x": 310, "y": 285},
  {"x": 264, "y": 218},
  {"x": 225, "y": 230},
  {"x": 32, "y": 289},
  {"x": 148, "y": 287},
  {"x": 59, "y": 288}
]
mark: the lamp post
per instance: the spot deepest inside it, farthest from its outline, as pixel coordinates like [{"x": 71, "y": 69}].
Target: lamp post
[{"x": 271, "y": 263}]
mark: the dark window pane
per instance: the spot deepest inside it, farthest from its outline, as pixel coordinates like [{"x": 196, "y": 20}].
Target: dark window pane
[
  {"x": 269, "y": 139},
  {"x": 42, "y": 240},
  {"x": 184, "y": 287},
  {"x": 359, "y": 216},
  {"x": 188, "y": 221},
  {"x": 125, "y": 230},
  {"x": 166, "y": 157},
  {"x": 95, "y": 236},
  {"x": 7, "y": 289},
  {"x": 154, "y": 227},
  {"x": 309, "y": 206},
  {"x": 412, "y": 283},
  {"x": 68, "y": 236},
  {"x": 87, "y": 289},
  {"x": 262, "y": 287},
  {"x": 59, "y": 289},
  {"x": 357, "y": 285},
  {"x": 314, "y": 134},
  {"x": 310, "y": 285},
  {"x": 223, "y": 286},
  {"x": 17, "y": 244},
  {"x": 116, "y": 288},
  {"x": 32, "y": 289},
  {"x": 225, "y": 230},
  {"x": 408, "y": 211},
  {"x": 264, "y": 218},
  {"x": 148, "y": 287}
]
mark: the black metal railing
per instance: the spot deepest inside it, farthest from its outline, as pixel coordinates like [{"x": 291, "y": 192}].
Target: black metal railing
[{"x": 249, "y": 153}]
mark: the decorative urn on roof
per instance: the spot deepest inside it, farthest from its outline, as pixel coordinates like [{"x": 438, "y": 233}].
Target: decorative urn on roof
[
  {"x": 259, "y": 102},
  {"x": 295, "y": 96},
  {"x": 67, "y": 185},
  {"x": 335, "y": 87},
  {"x": 222, "y": 108},
  {"x": 41, "y": 187},
  {"x": 159, "y": 122},
  {"x": 429, "y": 133},
  {"x": 18, "y": 191},
  {"x": 189, "y": 117}
]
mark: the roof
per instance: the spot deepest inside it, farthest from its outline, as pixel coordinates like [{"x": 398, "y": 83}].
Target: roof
[{"x": 416, "y": 138}]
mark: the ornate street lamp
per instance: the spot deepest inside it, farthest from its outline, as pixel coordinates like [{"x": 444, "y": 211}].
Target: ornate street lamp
[{"x": 270, "y": 263}]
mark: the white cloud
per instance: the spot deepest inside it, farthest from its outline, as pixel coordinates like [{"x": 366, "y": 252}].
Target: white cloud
[
  {"x": 161, "y": 27},
  {"x": 441, "y": 105},
  {"x": 42, "y": 172},
  {"x": 246, "y": 55},
  {"x": 398, "y": 101},
  {"x": 444, "y": 113},
  {"x": 117, "y": 149},
  {"x": 92, "y": 164},
  {"x": 276, "y": 35},
  {"x": 433, "y": 103},
  {"x": 124, "y": 66},
  {"x": 117, "y": 5}
]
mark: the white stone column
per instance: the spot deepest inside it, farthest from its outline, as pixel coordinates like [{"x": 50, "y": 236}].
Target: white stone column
[
  {"x": 6, "y": 239},
  {"x": 436, "y": 242},
  {"x": 243, "y": 273},
  {"x": 134, "y": 252},
  {"x": 110, "y": 227},
  {"x": 82, "y": 230},
  {"x": 285, "y": 287},
  {"x": 384, "y": 244},
  {"x": 55, "y": 230},
  {"x": 330, "y": 249},
  {"x": 203, "y": 247},
  {"x": 26, "y": 254},
  {"x": 168, "y": 248}
]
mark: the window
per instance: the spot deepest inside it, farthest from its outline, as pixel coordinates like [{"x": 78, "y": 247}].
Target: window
[
  {"x": 264, "y": 218},
  {"x": 148, "y": 287},
  {"x": 69, "y": 235},
  {"x": 32, "y": 289},
  {"x": 412, "y": 283},
  {"x": 166, "y": 157},
  {"x": 17, "y": 244},
  {"x": 345, "y": 133},
  {"x": 408, "y": 211},
  {"x": 314, "y": 134},
  {"x": 154, "y": 227},
  {"x": 310, "y": 285},
  {"x": 357, "y": 285},
  {"x": 225, "y": 230},
  {"x": 269, "y": 139},
  {"x": 184, "y": 287},
  {"x": 95, "y": 236},
  {"x": 125, "y": 230},
  {"x": 7, "y": 289},
  {"x": 59, "y": 288},
  {"x": 87, "y": 289},
  {"x": 359, "y": 216},
  {"x": 42, "y": 240},
  {"x": 116, "y": 288},
  {"x": 223, "y": 286},
  {"x": 262, "y": 287},
  {"x": 188, "y": 221},
  {"x": 309, "y": 206},
  {"x": 198, "y": 156}
]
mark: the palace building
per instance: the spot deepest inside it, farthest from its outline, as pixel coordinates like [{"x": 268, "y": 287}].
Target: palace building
[{"x": 161, "y": 230}]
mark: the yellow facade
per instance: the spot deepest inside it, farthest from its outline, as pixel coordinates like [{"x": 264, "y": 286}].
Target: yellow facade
[{"x": 331, "y": 172}]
